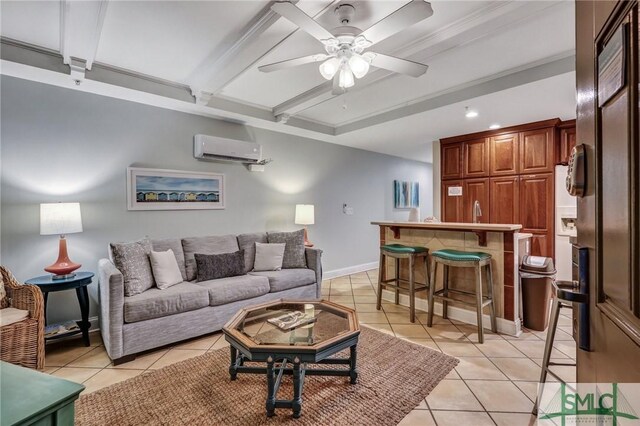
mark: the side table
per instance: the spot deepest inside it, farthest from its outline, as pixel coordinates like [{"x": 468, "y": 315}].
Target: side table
[{"x": 79, "y": 282}]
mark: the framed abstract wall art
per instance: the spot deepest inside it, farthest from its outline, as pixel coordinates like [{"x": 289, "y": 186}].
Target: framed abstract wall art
[
  {"x": 406, "y": 195},
  {"x": 158, "y": 189}
]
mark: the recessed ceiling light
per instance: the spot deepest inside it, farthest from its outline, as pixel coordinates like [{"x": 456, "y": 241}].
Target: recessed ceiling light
[
  {"x": 494, "y": 126},
  {"x": 469, "y": 113}
]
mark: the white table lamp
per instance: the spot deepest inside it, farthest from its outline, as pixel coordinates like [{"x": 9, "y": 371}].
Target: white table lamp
[
  {"x": 305, "y": 216},
  {"x": 61, "y": 219}
]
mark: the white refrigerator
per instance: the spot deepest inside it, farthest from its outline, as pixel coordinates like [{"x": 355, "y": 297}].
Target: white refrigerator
[{"x": 565, "y": 226}]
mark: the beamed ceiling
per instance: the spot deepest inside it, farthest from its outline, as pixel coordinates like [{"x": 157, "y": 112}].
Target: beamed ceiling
[{"x": 513, "y": 61}]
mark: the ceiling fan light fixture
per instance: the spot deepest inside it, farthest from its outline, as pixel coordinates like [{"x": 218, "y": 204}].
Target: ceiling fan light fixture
[
  {"x": 345, "y": 78},
  {"x": 329, "y": 68},
  {"x": 359, "y": 65}
]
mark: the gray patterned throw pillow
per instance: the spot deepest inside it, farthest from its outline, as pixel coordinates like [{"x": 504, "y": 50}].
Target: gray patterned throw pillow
[
  {"x": 215, "y": 266},
  {"x": 132, "y": 259},
  {"x": 294, "y": 256}
]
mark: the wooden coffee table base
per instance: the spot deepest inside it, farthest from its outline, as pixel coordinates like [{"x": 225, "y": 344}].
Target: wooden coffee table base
[{"x": 278, "y": 366}]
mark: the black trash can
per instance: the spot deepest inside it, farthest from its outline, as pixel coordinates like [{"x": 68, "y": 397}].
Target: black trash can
[{"x": 536, "y": 277}]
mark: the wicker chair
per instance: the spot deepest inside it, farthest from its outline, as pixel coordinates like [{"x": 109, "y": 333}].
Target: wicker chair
[{"x": 22, "y": 342}]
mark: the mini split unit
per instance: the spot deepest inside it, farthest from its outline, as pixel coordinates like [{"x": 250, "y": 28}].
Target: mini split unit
[{"x": 214, "y": 148}]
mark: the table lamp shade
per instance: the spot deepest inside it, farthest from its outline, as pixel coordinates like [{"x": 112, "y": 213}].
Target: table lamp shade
[
  {"x": 304, "y": 214},
  {"x": 60, "y": 218}
]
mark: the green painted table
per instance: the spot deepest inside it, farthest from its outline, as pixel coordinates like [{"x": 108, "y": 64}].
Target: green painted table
[{"x": 28, "y": 397}]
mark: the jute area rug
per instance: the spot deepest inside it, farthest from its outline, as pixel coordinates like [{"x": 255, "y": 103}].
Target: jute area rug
[{"x": 394, "y": 377}]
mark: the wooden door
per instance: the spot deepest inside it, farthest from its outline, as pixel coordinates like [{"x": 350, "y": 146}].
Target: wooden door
[
  {"x": 537, "y": 210},
  {"x": 476, "y": 189},
  {"x": 451, "y": 203},
  {"x": 475, "y": 160},
  {"x": 503, "y": 154},
  {"x": 504, "y": 199},
  {"x": 609, "y": 213},
  {"x": 536, "y": 151},
  {"x": 567, "y": 142},
  {"x": 451, "y": 158}
]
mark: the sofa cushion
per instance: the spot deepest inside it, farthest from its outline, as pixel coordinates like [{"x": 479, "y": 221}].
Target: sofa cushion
[
  {"x": 175, "y": 244},
  {"x": 206, "y": 245},
  {"x": 216, "y": 266},
  {"x": 232, "y": 289},
  {"x": 294, "y": 250},
  {"x": 156, "y": 303},
  {"x": 12, "y": 315},
  {"x": 247, "y": 242},
  {"x": 287, "y": 278},
  {"x": 268, "y": 257},
  {"x": 132, "y": 259},
  {"x": 165, "y": 268}
]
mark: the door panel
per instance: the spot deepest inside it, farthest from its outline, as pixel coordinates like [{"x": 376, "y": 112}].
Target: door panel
[
  {"x": 505, "y": 199},
  {"x": 476, "y": 189},
  {"x": 536, "y": 151},
  {"x": 451, "y": 156},
  {"x": 451, "y": 205},
  {"x": 475, "y": 158},
  {"x": 503, "y": 151},
  {"x": 567, "y": 142},
  {"x": 541, "y": 245}
]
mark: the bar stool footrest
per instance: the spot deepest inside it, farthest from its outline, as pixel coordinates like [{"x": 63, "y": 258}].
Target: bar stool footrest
[{"x": 439, "y": 294}]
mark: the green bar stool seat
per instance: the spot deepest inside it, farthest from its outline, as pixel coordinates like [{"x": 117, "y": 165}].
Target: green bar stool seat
[
  {"x": 462, "y": 259},
  {"x": 412, "y": 254}
]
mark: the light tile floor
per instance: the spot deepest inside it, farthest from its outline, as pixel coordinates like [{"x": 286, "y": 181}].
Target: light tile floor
[{"x": 494, "y": 384}]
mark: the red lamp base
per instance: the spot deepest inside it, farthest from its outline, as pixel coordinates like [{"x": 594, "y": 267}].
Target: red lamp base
[
  {"x": 63, "y": 267},
  {"x": 307, "y": 243}
]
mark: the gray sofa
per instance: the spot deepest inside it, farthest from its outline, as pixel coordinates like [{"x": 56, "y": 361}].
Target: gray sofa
[{"x": 133, "y": 324}]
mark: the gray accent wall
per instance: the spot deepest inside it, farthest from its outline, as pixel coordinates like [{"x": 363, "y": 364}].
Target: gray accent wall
[{"x": 65, "y": 145}]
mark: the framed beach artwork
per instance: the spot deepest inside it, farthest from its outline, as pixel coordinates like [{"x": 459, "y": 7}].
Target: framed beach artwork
[
  {"x": 157, "y": 189},
  {"x": 406, "y": 195}
]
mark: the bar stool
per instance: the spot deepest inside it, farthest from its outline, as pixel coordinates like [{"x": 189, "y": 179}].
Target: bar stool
[
  {"x": 398, "y": 252},
  {"x": 462, "y": 259},
  {"x": 567, "y": 294}
]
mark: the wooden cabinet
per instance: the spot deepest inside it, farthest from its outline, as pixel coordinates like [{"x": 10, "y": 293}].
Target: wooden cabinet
[
  {"x": 472, "y": 190},
  {"x": 475, "y": 160},
  {"x": 566, "y": 143},
  {"x": 451, "y": 161},
  {"x": 536, "y": 151},
  {"x": 503, "y": 153},
  {"x": 537, "y": 210},
  {"x": 504, "y": 199},
  {"x": 451, "y": 205}
]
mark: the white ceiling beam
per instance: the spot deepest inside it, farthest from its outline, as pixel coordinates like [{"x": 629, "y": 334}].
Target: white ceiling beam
[
  {"x": 80, "y": 30},
  {"x": 482, "y": 23}
]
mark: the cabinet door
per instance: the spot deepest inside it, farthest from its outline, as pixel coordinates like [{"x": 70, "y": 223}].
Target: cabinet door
[
  {"x": 536, "y": 151},
  {"x": 541, "y": 245},
  {"x": 451, "y": 161},
  {"x": 504, "y": 199},
  {"x": 503, "y": 153},
  {"x": 451, "y": 204},
  {"x": 476, "y": 189},
  {"x": 475, "y": 158},
  {"x": 567, "y": 142},
  {"x": 537, "y": 208}
]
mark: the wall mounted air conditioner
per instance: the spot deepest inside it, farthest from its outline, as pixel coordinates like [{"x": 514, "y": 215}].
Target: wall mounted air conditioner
[{"x": 221, "y": 149}]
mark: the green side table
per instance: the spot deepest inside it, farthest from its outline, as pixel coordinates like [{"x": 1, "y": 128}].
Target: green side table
[{"x": 28, "y": 397}]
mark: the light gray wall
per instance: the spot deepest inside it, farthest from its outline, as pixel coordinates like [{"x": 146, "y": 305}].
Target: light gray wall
[{"x": 64, "y": 145}]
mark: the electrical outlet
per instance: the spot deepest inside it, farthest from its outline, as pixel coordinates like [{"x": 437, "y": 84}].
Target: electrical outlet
[{"x": 347, "y": 210}]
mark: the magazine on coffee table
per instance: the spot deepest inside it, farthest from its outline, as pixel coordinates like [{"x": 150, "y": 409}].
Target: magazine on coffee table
[{"x": 292, "y": 320}]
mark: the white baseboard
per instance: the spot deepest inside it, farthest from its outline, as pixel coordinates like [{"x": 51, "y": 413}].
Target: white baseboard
[
  {"x": 512, "y": 328},
  {"x": 327, "y": 275}
]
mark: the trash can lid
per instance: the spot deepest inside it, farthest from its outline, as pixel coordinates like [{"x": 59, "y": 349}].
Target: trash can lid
[{"x": 537, "y": 265}]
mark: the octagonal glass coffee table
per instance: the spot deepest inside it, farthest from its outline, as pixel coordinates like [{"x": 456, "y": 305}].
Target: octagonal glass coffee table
[{"x": 254, "y": 339}]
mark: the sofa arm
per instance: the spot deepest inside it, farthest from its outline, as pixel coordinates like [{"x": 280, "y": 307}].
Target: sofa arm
[
  {"x": 111, "y": 295},
  {"x": 314, "y": 262}
]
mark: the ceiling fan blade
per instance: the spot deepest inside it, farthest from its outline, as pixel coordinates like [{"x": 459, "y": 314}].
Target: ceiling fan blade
[
  {"x": 402, "y": 66},
  {"x": 302, "y": 20},
  {"x": 409, "y": 14},
  {"x": 289, "y": 63}
]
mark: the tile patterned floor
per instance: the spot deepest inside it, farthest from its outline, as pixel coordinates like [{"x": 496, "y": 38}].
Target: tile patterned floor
[{"x": 494, "y": 384}]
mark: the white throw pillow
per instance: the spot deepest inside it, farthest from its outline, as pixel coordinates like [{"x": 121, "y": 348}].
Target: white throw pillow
[
  {"x": 165, "y": 268},
  {"x": 268, "y": 257}
]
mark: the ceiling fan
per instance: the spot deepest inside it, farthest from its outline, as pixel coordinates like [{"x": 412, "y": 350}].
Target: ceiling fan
[{"x": 345, "y": 45}]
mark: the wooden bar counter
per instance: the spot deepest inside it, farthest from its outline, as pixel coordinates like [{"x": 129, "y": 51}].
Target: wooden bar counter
[{"x": 503, "y": 241}]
